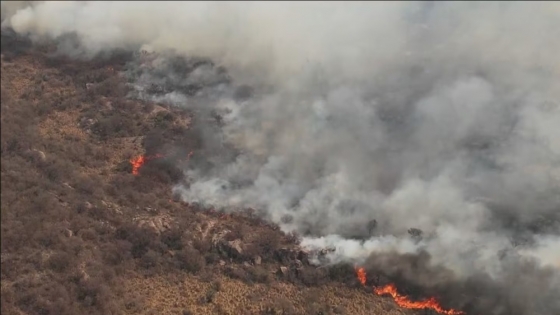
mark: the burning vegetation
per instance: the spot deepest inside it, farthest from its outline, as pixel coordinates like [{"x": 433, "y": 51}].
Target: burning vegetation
[
  {"x": 402, "y": 300},
  {"x": 139, "y": 161}
]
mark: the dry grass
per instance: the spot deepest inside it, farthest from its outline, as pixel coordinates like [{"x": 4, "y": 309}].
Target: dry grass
[{"x": 170, "y": 295}]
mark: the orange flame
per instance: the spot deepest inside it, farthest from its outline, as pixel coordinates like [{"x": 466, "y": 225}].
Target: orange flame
[
  {"x": 139, "y": 161},
  {"x": 402, "y": 300},
  {"x": 361, "y": 274}
]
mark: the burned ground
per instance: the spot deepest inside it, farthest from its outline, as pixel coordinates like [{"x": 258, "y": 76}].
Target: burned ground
[{"x": 82, "y": 235}]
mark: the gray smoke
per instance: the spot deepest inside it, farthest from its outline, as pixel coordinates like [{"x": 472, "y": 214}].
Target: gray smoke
[{"x": 436, "y": 120}]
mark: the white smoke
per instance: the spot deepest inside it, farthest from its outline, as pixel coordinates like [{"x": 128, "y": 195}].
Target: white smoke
[{"x": 439, "y": 116}]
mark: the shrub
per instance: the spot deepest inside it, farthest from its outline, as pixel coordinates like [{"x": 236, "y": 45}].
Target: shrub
[
  {"x": 173, "y": 239},
  {"x": 190, "y": 259},
  {"x": 150, "y": 260},
  {"x": 341, "y": 272},
  {"x": 116, "y": 253},
  {"x": 260, "y": 275},
  {"x": 265, "y": 245},
  {"x": 238, "y": 273},
  {"x": 140, "y": 238},
  {"x": 60, "y": 261},
  {"x": 312, "y": 276}
]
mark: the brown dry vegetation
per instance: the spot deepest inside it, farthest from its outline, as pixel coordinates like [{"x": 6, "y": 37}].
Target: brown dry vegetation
[{"x": 82, "y": 235}]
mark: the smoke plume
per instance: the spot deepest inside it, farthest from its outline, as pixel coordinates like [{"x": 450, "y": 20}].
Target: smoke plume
[{"x": 385, "y": 128}]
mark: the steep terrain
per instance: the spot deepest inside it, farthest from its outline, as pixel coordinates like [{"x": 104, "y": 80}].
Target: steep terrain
[{"x": 81, "y": 234}]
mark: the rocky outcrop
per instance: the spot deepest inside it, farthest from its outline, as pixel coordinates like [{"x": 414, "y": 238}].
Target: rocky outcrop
[
  {"x": 290, "y": 255},
  {"x": 158, "y": 224}
]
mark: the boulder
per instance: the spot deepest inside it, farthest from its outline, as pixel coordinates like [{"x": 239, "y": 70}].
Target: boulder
[
  {"x": 289, "y": 255},
  {"x": 37, "y": 155},
  {"x": 283, "y": 270},
  {"x": 234, "y": 248},
  {"x": 68, "y": 233},
  {"x": 158, "y": 224},
  {"x": 231, "y": 249}
]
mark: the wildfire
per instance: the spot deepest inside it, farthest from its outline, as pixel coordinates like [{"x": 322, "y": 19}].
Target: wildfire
[
  {"x": 403, "y": 301},
  {"x": 361, "y": 274},
  {"x": 139, "y": 161}
]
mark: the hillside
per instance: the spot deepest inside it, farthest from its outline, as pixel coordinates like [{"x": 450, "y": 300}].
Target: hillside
[{"x": 82, "y": 234}]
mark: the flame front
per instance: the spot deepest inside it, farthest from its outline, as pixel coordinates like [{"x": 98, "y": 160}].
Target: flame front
[
  {"x": 139, "y": 161},
  {"x": 402, "y": 300},
  {"x": 361, "y": 274}
]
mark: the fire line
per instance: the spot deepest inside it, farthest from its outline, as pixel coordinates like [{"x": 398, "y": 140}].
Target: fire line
[
  {"x": 361, "y": 274},
  {"x": 402, "y": 300},
  {"x": 137, "y": 162}
]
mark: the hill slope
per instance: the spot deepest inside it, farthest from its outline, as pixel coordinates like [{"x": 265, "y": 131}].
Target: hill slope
[{"x": 82, "y": 235}]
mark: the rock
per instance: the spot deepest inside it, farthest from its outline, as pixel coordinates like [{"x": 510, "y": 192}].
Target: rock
[
  {"x": 222, "y": 263},
  {"x": 68, "y": 233},
  {"x": 109, "y": 105},
  {"x": 235, "y": 247},
  {"x": 257, "y": 260},
  {"x": 246, "y": 264},
  {"x": 283, "y": 270},
  {"x": 289, "y": 255},
  {"x": 285, "y": 255},
  {"x": 158, "y": 223},
  {"x": 303, "y": 256},
  {"x": 230, "y": 249},
  {"x": 218, "y": 237},
  {"x": 89, "y": 86},
  {"x": 88, "y": 205},
  {"x": 37, "y": 155},
  {"x": 41, "y": 154},
  {"x": 151, "y": 210}
]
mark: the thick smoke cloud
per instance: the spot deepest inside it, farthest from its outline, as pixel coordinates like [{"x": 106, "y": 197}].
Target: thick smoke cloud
[{"x": 443, "y": 118}]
